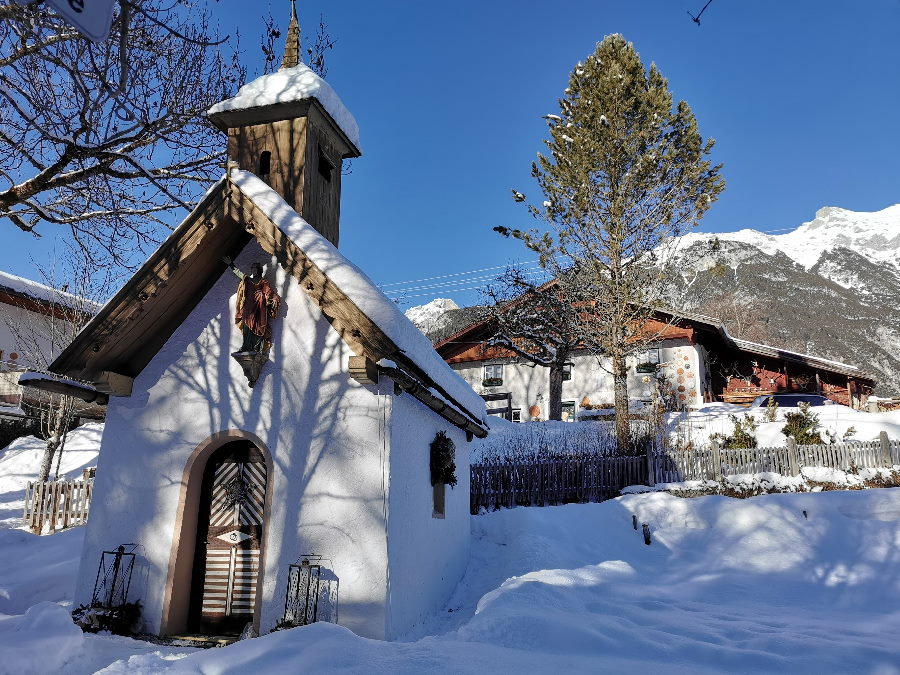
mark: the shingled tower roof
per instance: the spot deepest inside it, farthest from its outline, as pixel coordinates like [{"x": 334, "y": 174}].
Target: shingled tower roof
[{"x": 292, "y": 44}]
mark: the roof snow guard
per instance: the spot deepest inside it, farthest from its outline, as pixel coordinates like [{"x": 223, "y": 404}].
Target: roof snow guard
[{"x": 135, "y": 323}]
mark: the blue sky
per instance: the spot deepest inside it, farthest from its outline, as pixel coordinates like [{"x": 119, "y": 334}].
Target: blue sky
[{"x": 802, "y": 98}]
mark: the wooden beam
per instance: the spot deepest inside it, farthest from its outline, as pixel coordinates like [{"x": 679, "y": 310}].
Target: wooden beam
[
  {"x": 113, "y": 383},
  {"x": 363, "y": 370},
  {"x": 360, "y": 333}
]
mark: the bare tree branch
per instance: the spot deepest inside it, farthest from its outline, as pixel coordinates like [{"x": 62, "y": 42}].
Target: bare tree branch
[{"x": 96, "y": 137}]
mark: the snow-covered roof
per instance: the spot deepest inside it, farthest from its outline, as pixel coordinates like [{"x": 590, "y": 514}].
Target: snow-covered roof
[
  {"x": 289, "y": 85},
  {"x": 361, "y": 290},
  {"x": 42, "y": 293}
]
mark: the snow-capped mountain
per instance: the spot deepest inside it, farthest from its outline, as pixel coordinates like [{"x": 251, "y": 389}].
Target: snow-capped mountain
[
  {"x": 829, "y": 288},
  {"x": 873, "y": 236},
  {"x": 427, "y": 316}
]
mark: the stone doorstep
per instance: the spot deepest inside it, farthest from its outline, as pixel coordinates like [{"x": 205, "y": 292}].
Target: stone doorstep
[{"x": 204, "y": 641}]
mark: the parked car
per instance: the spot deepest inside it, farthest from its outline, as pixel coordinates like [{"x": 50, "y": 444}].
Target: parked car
[{"x": 790, "y": 400}]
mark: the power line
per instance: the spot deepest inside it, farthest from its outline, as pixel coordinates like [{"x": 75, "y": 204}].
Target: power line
[
  {"x": 535, "y": 273},
  {"x": 443, "y": 276},
  {"x": 456, "y": 282}
]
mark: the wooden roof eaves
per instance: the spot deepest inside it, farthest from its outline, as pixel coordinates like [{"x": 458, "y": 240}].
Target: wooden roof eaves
[
  {"x": 117, "y": 309},
  {"x": 277, "y": 112},
  {"x": 811, "y": 361}
]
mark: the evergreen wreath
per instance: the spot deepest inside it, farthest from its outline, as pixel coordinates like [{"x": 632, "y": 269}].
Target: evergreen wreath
[{"x": 443, "y": 466}]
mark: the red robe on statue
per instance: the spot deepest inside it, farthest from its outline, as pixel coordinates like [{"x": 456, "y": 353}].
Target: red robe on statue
[{"x": 257, "y": 303}]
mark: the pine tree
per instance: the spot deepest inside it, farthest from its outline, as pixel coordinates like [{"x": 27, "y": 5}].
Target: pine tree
[{"x": 626, "y": 172}]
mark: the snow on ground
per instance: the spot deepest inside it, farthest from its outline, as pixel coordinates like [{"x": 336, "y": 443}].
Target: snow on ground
[
  {"x": 697, "y": 425},
  {"x": 21, "y": 460},
  {"x": 727, "y": 585}
]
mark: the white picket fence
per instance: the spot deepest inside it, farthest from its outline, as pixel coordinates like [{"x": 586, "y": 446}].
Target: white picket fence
[
  {"x": 714, "y": 462},
  {"x": 56, "y": 505}
]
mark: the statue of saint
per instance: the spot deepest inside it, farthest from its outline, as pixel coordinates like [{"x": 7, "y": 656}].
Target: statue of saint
[{"x": 257, "y": 305}]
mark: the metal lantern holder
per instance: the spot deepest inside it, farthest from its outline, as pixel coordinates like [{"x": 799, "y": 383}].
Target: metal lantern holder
[
  {"x": 301, "y": 604},
  {"x": 114, "y": 577}
]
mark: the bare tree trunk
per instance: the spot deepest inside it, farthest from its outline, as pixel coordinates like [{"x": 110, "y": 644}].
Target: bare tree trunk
[
  {"x": 47, "y": 460},
  {"x": 554, "y": 405},
  {"x": 62, "y": 449},
  {"x": 620, "y": 388}
]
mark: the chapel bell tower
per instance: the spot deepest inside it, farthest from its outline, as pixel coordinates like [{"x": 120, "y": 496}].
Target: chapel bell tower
[{"x": 291, "y": 129}]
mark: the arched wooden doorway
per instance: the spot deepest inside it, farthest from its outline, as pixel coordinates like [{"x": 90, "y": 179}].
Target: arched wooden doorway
[{"x": 230, "y": 527}]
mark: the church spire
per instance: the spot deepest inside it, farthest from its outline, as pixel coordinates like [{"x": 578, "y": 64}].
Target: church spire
[{"x": 292, "y": 44}]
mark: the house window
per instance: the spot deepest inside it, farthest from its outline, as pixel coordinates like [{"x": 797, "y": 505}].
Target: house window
[
  {"x": 647, "y": 361},
  {"x": 493, "y": 375},
  {"x": 567, "y": 372},
  {"x": 437, "y": 495},
  {"x": 516, "y": 415},
  {"x": 568, "y": 411}
]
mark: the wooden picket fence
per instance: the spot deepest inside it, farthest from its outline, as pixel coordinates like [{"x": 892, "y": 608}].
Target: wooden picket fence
[
  {"x": 713, "y": 463},
  {"x": 57, "y": 504},
  {"x": 553, "y": 482}
]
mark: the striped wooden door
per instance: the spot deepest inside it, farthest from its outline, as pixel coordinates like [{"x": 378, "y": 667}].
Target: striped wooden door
[{"x": 233, "y": 540}]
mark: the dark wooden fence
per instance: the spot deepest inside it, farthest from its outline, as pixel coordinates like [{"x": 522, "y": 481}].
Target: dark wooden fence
[
  {"x": 596, "y": 479},
  {"x": 560, "y": 481}
]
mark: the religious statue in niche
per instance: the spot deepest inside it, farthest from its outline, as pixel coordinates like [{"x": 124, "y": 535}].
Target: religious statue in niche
[{"x": 257, "y": 306}]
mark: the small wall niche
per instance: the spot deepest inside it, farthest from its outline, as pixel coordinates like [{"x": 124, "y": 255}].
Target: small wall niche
[
  {"x": 265, "y": 164},
  {"x": 326, "y": 166}
]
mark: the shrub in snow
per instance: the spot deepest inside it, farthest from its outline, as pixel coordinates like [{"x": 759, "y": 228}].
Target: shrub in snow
[
  {"x": 549, "y": 441},
  {"x": 121, "y": 620},
  {"x": 742, "y": 436},
  {"x": 803, "y": 426},
  {"x": 811, "y": 479}
]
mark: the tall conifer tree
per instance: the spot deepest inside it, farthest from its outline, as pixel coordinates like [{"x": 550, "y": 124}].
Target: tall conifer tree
[{"x": 626, "y": 172}]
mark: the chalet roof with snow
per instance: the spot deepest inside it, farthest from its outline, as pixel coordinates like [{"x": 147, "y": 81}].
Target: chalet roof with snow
[
  {"x": 474, "y": 327},
  {"x": 38, "y": 297},
  {"x": 136, "y": 322}
]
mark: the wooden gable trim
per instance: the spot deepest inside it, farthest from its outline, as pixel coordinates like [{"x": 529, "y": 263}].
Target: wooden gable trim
[
  {"x": 133, "y": 326},
  {"x": 361, "y": 334},
  {"x": 355, "y": 328}
]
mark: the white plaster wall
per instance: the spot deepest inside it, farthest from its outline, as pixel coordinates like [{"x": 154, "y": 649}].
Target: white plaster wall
[
  {"x": 681, "y": 365},
  {"x": 522, "y": 381},
  {"x": 590, "y": 379},
  {"x": 38, "y": 349},
  {"x": 325, "y": 433},
  {"x": 427, "y": 556}
]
